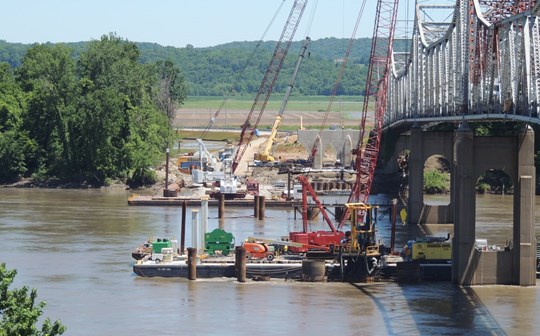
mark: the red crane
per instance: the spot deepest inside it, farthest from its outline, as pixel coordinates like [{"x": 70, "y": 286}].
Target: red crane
[
  {"x": 376, "y": 87},
  {"x": 269, "y": 80},
  {"x": 313, "y": 240}
]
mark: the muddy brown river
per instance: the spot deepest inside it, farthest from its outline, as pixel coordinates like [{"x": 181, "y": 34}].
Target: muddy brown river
[{"x": 74, "y": 247}]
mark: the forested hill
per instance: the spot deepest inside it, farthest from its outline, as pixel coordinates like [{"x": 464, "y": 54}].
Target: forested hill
[{"x": 215, "y": 70}]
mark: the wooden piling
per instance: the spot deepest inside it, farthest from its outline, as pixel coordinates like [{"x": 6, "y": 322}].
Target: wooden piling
[
  {"x": 221, "y": 208},
  {"x": 256, "y": 206},
  {"x": 192, "y": 263},
  {"x": 240, "y": 263},
  {"x": 262, "y": 207}
]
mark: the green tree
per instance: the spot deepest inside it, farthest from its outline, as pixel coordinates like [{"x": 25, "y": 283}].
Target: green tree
[
  {"x": 20, "y": 311},
  {"x": 436, "y": 182},
  {"x": 119, "y": 127},
  {"x": 15, "y": 146},
  {"x": 171, "y": 89},
  {"x": 47, "y": 76}
]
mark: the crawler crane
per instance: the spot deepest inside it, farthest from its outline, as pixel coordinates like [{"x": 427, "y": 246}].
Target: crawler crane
[
  {"x": 376, "y": 87},
  {"x": 269, "y": 80}
]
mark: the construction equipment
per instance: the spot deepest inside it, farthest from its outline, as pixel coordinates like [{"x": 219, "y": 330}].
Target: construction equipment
[
  {"x": 359, "y": 254},
  {"x": 314, "y": 240},
  {"x": 361, "y": 238},
  {"x": 264, "y": 157},
  {"x": 228, "y": 185},
  {"x": 250, "y": 125},
  {"x": 218, "y": 242},
  {"x": 259, "y": 250},
  {"x": 376, "y": 86},
  {"x": 207, "y": 160}
]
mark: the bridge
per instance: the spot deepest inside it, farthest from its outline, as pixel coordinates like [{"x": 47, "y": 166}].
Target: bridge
[{"x": 471, "y": 61}]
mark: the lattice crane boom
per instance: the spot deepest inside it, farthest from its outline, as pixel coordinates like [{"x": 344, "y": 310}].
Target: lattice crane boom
[
  {"x": 376, "y": 86},
  {"x": 269, "y": 80}
]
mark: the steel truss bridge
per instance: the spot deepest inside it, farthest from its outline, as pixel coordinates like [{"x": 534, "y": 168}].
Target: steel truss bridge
[{"x": 468, "y": 60}]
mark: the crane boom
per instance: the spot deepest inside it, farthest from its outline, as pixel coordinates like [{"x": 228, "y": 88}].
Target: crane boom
[
  {"x": 376, "y": 85},
  {"x": 248, "y": 62},
  {"x": 269, "y": 80},
  {"x": 265, "y": 155}
]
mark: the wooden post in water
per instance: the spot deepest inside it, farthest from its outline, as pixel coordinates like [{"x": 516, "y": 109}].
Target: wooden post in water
[
  {"x": 240, "y": 263},
  {"x": 262, "y": 207},
  {"x": 221, "y": 206},
  {"x": 183, "y": 230},
  {"x": 192, "y": 263},
  {"x": 256, "y": 206},
  {"x": 289, "y": 184}
]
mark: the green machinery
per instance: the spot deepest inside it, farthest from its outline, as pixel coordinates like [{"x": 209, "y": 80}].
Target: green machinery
[{"x": 218, "y": 242}]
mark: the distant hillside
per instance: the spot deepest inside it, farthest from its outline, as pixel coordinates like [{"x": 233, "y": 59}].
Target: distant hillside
[{"x": 215, "y": 70}]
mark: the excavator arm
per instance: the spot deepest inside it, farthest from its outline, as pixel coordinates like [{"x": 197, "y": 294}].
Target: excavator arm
[{"x": 265, "y": 155}]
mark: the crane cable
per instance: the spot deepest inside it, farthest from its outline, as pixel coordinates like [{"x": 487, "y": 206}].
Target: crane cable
[
  {"x": 310, "y": 21},
  {"x": 239, "y": 75},
  {"x": 338, "y": 81}
]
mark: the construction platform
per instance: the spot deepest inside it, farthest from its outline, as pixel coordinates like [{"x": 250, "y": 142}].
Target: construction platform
[{"x": 190, "y": 201}]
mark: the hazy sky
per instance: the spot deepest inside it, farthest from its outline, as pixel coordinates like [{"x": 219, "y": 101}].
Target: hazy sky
[{"x": 201, "y": 23}]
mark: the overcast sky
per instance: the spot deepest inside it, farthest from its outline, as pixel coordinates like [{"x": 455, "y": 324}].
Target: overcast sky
[{"x": 201, "y": 23}]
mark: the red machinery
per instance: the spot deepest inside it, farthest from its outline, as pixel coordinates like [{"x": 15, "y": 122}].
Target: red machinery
[
  {"x": 376, "y": 86},
  {"x": 269, "y": 80},
  {"x": 313, "y": 240}
]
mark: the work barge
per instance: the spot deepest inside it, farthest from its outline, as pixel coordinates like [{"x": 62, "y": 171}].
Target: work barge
[{"x": 352, "y": 256}]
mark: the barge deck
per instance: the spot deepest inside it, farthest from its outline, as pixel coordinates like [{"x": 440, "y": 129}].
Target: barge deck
[{"x": 190, "y": 201}]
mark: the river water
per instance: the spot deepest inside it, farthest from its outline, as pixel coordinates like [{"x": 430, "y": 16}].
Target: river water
[{"x": 74, "y": 247}]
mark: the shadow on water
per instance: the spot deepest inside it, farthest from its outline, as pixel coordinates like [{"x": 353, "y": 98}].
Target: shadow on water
[{"x": 431, "y": 309}]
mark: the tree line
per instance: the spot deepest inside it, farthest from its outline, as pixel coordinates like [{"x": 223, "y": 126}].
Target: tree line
[
  {"x": 100, "y": 116},
  {"x": 237, "y": 68}
]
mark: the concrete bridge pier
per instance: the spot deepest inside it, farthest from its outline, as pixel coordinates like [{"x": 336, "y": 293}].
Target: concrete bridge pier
[
  {"x": 524, "y": 200},
  {"x": 463, "y": 196},
  {"x": 416, "y": 175},
  {"x": 340, "y": 140},
  {"x": 515, "y": 265},
  {"x": 470, "y": 157}
]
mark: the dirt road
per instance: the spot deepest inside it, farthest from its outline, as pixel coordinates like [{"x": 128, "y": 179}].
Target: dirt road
[{"x": 253, "y": 148}]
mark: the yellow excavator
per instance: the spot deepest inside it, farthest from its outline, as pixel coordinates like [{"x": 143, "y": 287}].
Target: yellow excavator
[{"x": 264, "y": 157}]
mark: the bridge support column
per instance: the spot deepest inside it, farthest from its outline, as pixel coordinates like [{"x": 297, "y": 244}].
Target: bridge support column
[
  {"x": 416, "y": 176},
  {"x": 318, "y": 159},
  {"x": 524, "y": 247},
  {"x": 463, "y": 187}
]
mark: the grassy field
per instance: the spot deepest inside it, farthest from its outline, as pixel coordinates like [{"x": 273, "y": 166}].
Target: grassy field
[
  {"x": 295, "y": 103},
  {"x": 308, "y": 111}
]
